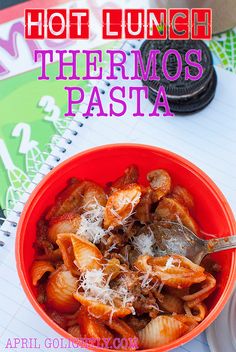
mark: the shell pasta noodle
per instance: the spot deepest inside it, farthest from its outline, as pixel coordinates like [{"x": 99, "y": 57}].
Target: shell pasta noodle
[{"x": 98, "y": 274}]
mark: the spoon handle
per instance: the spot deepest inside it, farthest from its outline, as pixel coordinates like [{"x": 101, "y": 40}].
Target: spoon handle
[{"x": 221, "y": 244}]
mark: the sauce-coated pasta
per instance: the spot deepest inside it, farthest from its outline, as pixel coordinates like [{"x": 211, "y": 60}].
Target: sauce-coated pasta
[{"x": 97, "y": 274}]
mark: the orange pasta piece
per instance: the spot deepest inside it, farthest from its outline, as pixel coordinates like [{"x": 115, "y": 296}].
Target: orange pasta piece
[
  {"x": 65, "y": 245},
  {"x": 93, "y": 194},
  {"x": 72, "y": 318},
  {"x": 142, "y": 211},
  {"x": 183, "y": 196},
  {"x": 112, "y": 268},
  {"x": 160, "y": 183},
  {"x": 75, "y": 197},
  {"x": 91, "y": 328},
  {"x": 74, "y": 331},
  {"x": 121, "y": 204},
  {"x": 175, "y": 270},
  {"x": 101, "y": 310},
  {"x": 121, "y": 327},
  {"x": 60, "y": 288},
  {"x": 67, "y": 223},
  {"x": 177, "y": 292},
  {"x": 126, "y": 333},
  {"x": 68, "y": 200},
  {"x": 208, "y": 286},
  {"x": 39, "y": 268},
  {"x": 171, "y": 303},
  {"x": 161, "y": 331},
  {"x": 189, "y": 321},
  {"x": 58, "y": 318},
  {"x": 86, "y": 254},
  {"x": 197, "y": 312},
  {"x": 53, "y": 256},
  {"x": 130, "y": 176},
  {"x": 172, "y": 210}
]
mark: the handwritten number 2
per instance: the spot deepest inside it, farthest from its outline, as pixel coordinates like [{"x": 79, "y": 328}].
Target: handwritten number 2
[{"x": 23, "y": 130}]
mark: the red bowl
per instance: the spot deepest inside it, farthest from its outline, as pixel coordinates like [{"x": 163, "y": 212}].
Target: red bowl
[{"x": 106, "y": 163}]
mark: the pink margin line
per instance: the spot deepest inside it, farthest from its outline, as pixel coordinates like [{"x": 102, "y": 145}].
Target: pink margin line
[{"x": 17, "y": 11}]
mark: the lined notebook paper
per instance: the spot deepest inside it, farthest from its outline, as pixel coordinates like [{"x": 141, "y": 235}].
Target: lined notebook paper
[{"x": 206, "y": 138}]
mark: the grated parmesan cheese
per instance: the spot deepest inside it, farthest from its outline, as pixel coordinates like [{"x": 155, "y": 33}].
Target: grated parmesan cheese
[
  {"x": 147, "y": 282},
  {"x": 144, "y": 243},
  {"x": 122, "y": 201},
  {"x": 170, "y": 263},
  {"x": 91, "y": 223},
  {"x": 160, "y": 287},
  {"x": 96, "y": 287},
  {"x": 112, "y": 247}
]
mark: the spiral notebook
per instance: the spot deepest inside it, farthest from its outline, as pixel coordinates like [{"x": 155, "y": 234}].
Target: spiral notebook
[{"x": 206, "y": 138}]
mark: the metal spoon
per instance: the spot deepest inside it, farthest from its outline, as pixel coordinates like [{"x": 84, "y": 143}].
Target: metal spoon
[{"x": 175, "y": 238}]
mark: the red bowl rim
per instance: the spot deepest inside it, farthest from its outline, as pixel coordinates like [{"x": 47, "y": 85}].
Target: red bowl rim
[{"x": 168, "y": 154}]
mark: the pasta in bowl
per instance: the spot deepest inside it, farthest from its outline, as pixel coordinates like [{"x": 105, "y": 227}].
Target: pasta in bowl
[{"x": 96, "y": 274}]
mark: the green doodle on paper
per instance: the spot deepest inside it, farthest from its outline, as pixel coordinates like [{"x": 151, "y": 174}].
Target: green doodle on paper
[
  {"x": 18, "y": 179},
  {"x": 34, "y": 160},
  {"x": 224, "y": 47}
]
